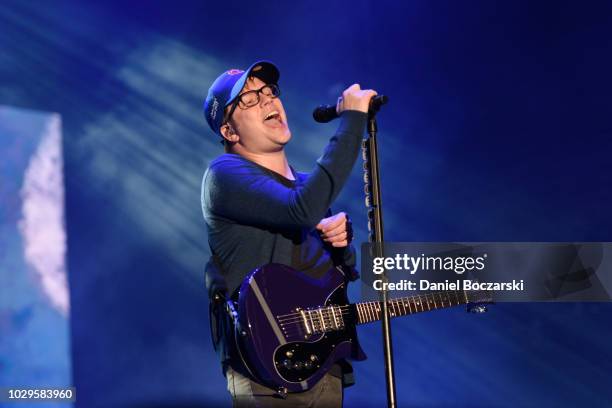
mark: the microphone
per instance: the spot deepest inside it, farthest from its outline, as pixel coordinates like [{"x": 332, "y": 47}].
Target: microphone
[{"x": 327, "y": 113}]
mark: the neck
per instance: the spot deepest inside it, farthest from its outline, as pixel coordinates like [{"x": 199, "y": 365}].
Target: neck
[
  {"x": 329, "y": 318},
  {"x": 371, "y": 311},
  {"x": 275, "y": 161}
]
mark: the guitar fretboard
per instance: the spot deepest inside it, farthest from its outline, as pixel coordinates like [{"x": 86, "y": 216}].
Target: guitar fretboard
[{"x": 372, "y": 311}]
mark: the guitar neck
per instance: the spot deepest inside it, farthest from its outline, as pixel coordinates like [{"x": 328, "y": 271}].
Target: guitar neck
[{"x": 367, "y": 312}]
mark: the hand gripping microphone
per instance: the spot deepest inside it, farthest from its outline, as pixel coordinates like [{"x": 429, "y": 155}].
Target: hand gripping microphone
[{"x": 326, "y": 113}]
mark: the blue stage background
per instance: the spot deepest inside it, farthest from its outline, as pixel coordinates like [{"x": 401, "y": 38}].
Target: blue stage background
[{"x": 499, "y": 129}]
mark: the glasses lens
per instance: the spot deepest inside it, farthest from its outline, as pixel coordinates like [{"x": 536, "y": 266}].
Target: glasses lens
[
  {"x": 249, "y": 98},
  {"x": 272, "y": 90}
]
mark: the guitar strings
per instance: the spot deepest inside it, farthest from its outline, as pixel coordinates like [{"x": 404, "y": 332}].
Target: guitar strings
[
  {"x": 403, "y": 302},
  {"x": 292, "y": 327},
  {"x": 366, "y": 311}
]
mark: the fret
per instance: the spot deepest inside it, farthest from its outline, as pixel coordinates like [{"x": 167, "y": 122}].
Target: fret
[
  {"x": 433, "y": 297},
  {"x": 409, "y": 307},
  {"x": 440, "y": 301},
  {"x": 401, "y": 300},
  {"x": 369, "y": 311},
  {"x": 374, "y": 312},
  {"x": 392, "y": 312},
  {"x": 422, "y": 303},
  {"x": 416, "y": 302},
  {"x": 466, "y": 298}
]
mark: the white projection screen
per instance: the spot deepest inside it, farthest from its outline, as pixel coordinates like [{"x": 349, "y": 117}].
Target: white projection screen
[{"x": 34, "y": 297}]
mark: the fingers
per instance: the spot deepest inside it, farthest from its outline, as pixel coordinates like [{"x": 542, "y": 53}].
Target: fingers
[
  {"x": 338, "y": 240},
  {"x": 331, "y": 223},
  {"x": 336, "y": 230},
  {"x": 352, "y": 88},
  {"x": 355, "y": 98}
]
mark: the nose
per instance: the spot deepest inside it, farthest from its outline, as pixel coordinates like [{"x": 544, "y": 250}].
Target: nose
[{"x": 265, "y": 99}]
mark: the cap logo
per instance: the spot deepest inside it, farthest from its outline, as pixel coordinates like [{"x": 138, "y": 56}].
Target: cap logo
[
  {"x": 213, "y": 109},
  {"x": 234, "y": 72}
]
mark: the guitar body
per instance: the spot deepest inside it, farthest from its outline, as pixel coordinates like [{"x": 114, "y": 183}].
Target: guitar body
[{"x": 276, "y": 339}]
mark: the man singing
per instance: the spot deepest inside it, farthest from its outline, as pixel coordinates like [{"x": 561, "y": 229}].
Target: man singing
[{"x": 259, "y": 210}]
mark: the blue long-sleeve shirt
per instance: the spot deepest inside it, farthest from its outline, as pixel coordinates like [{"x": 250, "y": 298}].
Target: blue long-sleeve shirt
[{"x": 256, "y": 216}]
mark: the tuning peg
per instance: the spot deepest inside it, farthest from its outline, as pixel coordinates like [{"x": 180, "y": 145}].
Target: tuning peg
[{"x": 476, "y": 309}]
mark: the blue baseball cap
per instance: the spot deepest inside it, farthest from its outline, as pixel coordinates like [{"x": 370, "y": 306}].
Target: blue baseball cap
[{"x": 227, "y": 87}]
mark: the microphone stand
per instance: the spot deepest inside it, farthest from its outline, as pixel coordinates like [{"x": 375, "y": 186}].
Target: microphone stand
[{"x": 375, "y": 226}]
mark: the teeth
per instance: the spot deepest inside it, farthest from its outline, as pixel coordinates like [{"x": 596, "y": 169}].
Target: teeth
[{"x": 271, "y": 114}]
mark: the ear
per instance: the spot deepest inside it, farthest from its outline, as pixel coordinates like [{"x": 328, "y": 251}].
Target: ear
[{"x": 228, "y": 133}]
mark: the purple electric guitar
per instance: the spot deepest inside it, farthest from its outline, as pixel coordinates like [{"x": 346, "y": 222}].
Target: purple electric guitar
[{"x": 293, "y": 328}]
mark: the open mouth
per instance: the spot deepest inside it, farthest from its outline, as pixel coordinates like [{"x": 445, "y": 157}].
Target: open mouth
[{"x": 273, "y": 117}]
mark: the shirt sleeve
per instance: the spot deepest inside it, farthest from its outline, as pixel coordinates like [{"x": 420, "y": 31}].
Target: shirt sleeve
[{"x": 243, "y": 192}]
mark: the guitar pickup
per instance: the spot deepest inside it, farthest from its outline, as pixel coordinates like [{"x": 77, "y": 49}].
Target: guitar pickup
[{"x": 306, "y": 325}]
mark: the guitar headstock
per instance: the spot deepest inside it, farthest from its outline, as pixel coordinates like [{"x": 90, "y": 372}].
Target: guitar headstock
[{"x": 478, "y": 300}]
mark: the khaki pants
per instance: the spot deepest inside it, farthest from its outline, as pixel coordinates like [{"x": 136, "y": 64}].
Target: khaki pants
[{"x": 327, "y": 393}]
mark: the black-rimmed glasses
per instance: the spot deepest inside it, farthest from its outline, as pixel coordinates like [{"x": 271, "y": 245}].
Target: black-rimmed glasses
[{"x": 249, "y": 99}]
